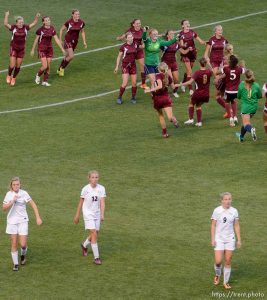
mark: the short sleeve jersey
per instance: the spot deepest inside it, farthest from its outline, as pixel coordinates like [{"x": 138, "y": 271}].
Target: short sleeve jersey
[
  {"x": 164, "y": 90},
  {"x": 73, "y": 30},
  {"x": 188, "y": 38},
  {"x": 232, "y": 78},
  {"x": 169, "y": 53},
  {"x": 216, "y": 48},
  {"x": 19, "y": 36},
  {"x": 225, "y": 220},
  {"x": 45, "y": 37},
  {"x": 137, "y": 35},
  {"x": 202, "y": 81},
  {"x": 17, "y": 213},
  {"x": 128, "y": 52}
]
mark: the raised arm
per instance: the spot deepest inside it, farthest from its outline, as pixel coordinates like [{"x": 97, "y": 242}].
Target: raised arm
[
  {"x": 84, "y": 38},
  {"x": 118, "y": 62},
  {"x": 34, "y": 45},
  {"x": 167, "y": 43},
  {"x": 102, "y": 209},
  {"x": 35, "y": 21},
  {"x": 62, "y": 29},
  {"x": 212, "y": 232},
  {"x": 78, "y": 211},
  {"x": 7, "y": 25},
  {"x": 237, "y": 232},
  {"x": 36, "y": 212},
  {"x": 58, "y": 42}
]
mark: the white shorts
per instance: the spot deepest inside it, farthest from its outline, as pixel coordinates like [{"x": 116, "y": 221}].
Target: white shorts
[
  {"x": 221, "y": 245},
  {"x": 20, "y": 228},
  {"x": 92, "y": 224}
]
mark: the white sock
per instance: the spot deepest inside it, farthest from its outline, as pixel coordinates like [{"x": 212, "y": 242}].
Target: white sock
[
  {"x": 86, "y": 243},
  {"x": 95, "y": 250},
  {"x": 218, "y": 270},
  {"x": 15, "y": 257},
  {"x": 23, "y": 251},
  {"x": 226, "y": 274}
]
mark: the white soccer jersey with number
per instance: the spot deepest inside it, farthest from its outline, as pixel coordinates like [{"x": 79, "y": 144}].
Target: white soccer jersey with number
[
  {"x": 17, "y": 213},
  {"x": 225, "y": 220},
  {"x": 91, "y": 204}
]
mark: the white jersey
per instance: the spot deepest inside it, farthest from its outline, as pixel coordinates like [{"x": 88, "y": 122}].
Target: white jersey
[
  {"x": 91, "y": 204},
  {"x": 225, "y": 220},
  {"x": 17, "y": 213}
]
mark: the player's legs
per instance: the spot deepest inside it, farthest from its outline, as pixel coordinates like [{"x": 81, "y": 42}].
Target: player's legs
[
  {"x": 16, "y": 70},
  {"x": 265, "y": 121},
  {"x": 23, "y": 250},
  {"x": 66, "y": 60},
  {"x": 47, "y": 71},
  {"x": 134, "y": 87},
  {"x": 247, "y": 127},
  {"x": 94, "y": 246},
  {"x": 199, "y": 114},
  {"x": 218, "y": 257},
  {"x": 170, "y": 116},
  {"x": 125, "y": 78},
  {"x": 141, "y": 62},
  {"x": 152, "y": 78},
  {"x": 162, "y": 123},
  {"x": 14, "y": 251},
  {"x": 188, "y": 69},
  {"x": 86, "y": 244},
  {"x": 41, "y": 70},
  {"x": 227, "y": 267},
  {"x": 191, "y": 109}
]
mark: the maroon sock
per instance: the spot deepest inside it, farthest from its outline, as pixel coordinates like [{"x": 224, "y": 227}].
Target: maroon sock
[
  {"x": 46, "y": 76},
  {"x": 190, "y": 85},
  {"x": 164, "y": 131},
  {"x": 65, "y": 64},
  {"x": 234, "y": 108},
  {"x": 228, "y": 108},
  {"x": 199, "y": 115},
  {"x": 134, "y": 89},
  {"x": 265, "y": 127},
  {"x": 10, "y": 70},
  {"x": 143, "y": 77},
  {"x": 185, "y": 76},
  {"x": 62, "y": 63},
  {"x": 175, "y": 90},
  {"x": 220, "y": 101},
  {"x": 191, "y": 112},
  {"x": 122, "y": 89},
  {"x": 16, "y": 72},
  {"x": 40, "y": 72}
]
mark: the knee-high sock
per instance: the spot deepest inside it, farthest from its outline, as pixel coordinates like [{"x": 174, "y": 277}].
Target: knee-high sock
[
  {"x": 10, "y": 70},
  {"x": 95, "y": 250},
  {"x": 16, "y": 72},
  {"x": 15, "y": 258},
  {"x": 220, "y": 101},
  {"x": 46, "y": 76},
  {"x": 122, "y": 89},
  {"x": 226, "y": 274},
  {"x": 23, "y": 251},
  {"x": 40, "y": 72},
  {"x": 199, "y": 115},
  {"x": 143, "y": 77},
  {"x": 134, "y": 89},
  {"x": 234, "y": 108},
  {"x": 191, "y": 112},
  {"x": 218, "y": 270},
  {"x": 86, "y": 243}
]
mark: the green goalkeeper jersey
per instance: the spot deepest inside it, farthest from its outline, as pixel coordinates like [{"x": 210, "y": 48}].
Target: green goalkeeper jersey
[
  {"x": 152, "y": 49},
  {"x": 249, "y": 98}
]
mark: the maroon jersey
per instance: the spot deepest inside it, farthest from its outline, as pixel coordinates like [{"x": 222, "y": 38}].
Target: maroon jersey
[
  {"x": 19, "y": 36},
  {"x": 202, "y": 81},
  {"x": 137, "y": 35},
  {"x": 45, "y": 37},
  {"x": 128, "y": 52},
  {"x": 73, "y": 30},
  {"x": 188, "y": 39},
  {"x": 232, "y": 78},
  {"x": 169, "y": 53},
  {"x": 216, "y": 48},
  {"x": 164, "y": 90}
]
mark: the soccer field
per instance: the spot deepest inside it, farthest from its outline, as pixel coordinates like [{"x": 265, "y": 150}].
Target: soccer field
[{"x": 155, "y": 241}]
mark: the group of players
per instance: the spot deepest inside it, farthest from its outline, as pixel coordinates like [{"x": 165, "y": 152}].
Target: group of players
[{"x": 146, "y": 46}]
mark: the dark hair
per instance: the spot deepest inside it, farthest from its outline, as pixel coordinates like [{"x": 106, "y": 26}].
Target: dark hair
[
  {"x": 203, "y": 62},
  {"x": 133, "y": 21},
  {"x": 43, "y": 18},
  {"x": 233, "y": 61},
  {"x": 165, "y": 36},
  {"x": 182, "y": 22}
]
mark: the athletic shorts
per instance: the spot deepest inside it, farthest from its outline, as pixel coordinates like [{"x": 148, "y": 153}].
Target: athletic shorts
[
  {"x": 162, "y": 102},
  {"x": 250, "y": 114},
  {"x": 92, "y": 224},
  {"x": 128, "y": 68},
  {"x": 191, "y": 56},
  {"x": 48, "y": 53},
  {"x": 70, "y": 45},
  {"x": 230, "y": 97},
  {"x": 20, "y": 228},
  {"x": 18, "y": 53},
  {"x": 216, "y": 63},
  {"x": 140, "y": 54},
  {"x": 151, "y": 69},
  {"x": 173, "y": 66},
  {"x": 220, "y": 245},
  {"x": 199, "y": 99}
]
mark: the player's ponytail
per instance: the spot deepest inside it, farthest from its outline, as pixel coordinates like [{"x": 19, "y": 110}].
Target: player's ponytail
[
  {"x": 203, "y": 62},
  {"x": 163, "y": 68}
]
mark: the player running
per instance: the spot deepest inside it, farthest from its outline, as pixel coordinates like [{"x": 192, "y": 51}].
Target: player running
[
  {"x": 249, "y": 93},
  {"x": 153, "y": 45},
  {"x": 162, "y": 100},
  {"x": 214, "y": 55},
  {"x": 137, "y": 32},
  {"x": 17, "y": 45},
  {"x": 45, "y": 49},
  {"x": 264, "y": 95},
  {"x": 17, "y": 220},
  {"x": 201, "y": 94},
  {"x": 127, "y": 53},
  {"x": 186, "y": 38},
  {"x": 73, "y": 26},
  {"x": 169, "y": 57},
  {"x": 92, "y": 203},
  {"x": 224, "y": 230}
]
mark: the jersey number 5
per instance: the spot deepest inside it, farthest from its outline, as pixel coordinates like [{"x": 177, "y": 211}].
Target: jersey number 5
[{"x": 232, "y": 75}]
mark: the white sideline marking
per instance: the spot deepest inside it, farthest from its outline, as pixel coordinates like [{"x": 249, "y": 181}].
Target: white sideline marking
[{"x": 105, "y": 48}]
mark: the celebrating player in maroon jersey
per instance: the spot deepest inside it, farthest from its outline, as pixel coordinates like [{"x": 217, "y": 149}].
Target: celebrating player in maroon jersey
[
  {"x": 17, "y": 45},
  {"x": 73, "y": 26},
  {"x": 201, "y": 93},
  {"x": 45, "y": 49},
  {"x": 264, "y": 95},
  {"x": 214, "y": 54},
  {"x": 186, "y": 38},
  {"x": 127, "y": 53},
  {"x": 169, "y": 57},
  {"x": 137, "y": 32},
  {"x": 162, "y": 100}
]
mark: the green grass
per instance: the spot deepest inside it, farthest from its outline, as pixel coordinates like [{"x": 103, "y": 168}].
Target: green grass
[{"x": 155, "y": 240}]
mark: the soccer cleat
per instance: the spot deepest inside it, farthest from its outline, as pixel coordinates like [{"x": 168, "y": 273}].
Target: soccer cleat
[
  {"x": 240, "y": 138},
  {"x": 191, "y": 92},
  {"x": 253, "y": 134},
  {"x": 189, "y": 122},
  {"x": 61, "y": 72},
  {"x": 119, "y": 101},
  {"x": 37, "y": 79},
  {"x": 183, "y": 89},
  {"x": 235, "y": 120},
  {"x": 198, "y": 124},
  {"x": 216, "y": 280},
  {"x": 144, "y": 86},
  {"x": 45, "y": 83},
  {"x": 232, "y": 122},
  {"x": 22, "y": 260},
  {"x": 84, "y": 250},
  {"x": 227, "y": 286},
  {"x": 133, "y": 100},
  {"x": 13, "y": 81},
  {"x": 165, "y": 135},
  {"x": 8, "y": 79},
  {"x": 15, "y": 268},
  {"x": 98, "y": 261},
  {"x": 226, "y": 116},
  {"x": 176, "y": 95}
]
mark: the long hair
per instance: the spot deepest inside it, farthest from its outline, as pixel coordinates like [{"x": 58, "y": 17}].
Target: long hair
[
  {"x": 163, "y": 68},
  {"x": 165, "y": 36},
  {"x": 133, "y": 21},
  {"x": 233, "y": 61}
]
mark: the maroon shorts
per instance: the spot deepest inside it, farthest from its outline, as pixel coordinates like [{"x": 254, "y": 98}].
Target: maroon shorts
[
  {"x": 128, "y": 68},
  {"x": 140, "y": 54},
  {"x": 173, "y": 66},
  {"x": 216, "y": 63},
  {"x": 162, "y": 101},
  {"x": 70, "y": 45},
  {"x": 191, "y": 56},
  {"x": 199, "y": 98},
  {"x": 48, "y": 53},
  {"x": 18, "y": 53}
]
